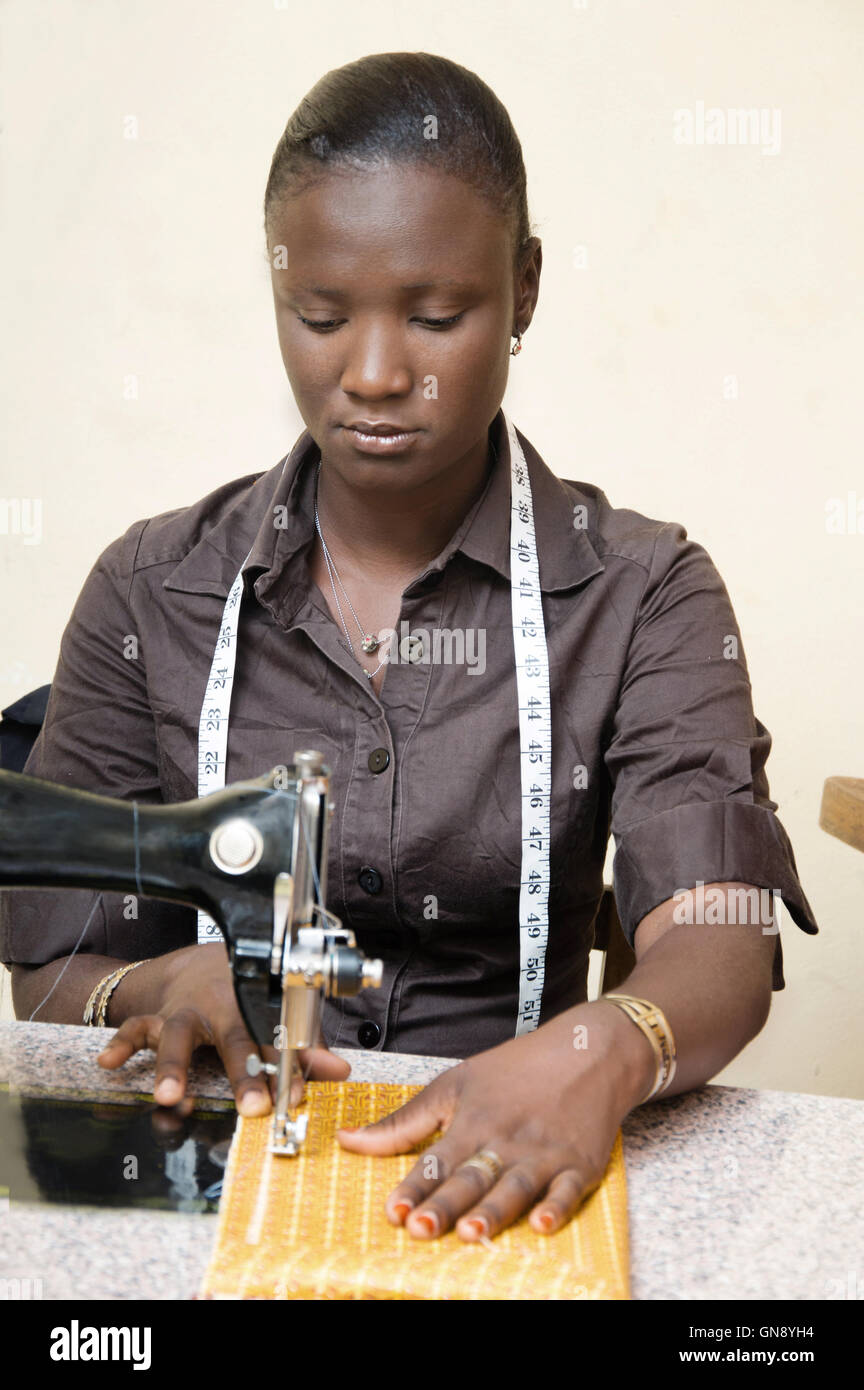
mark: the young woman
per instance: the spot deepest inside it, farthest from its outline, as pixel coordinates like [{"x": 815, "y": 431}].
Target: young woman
[{"x": 378, "y": 625}]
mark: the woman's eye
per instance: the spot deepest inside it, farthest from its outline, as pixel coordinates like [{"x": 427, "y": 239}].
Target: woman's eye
[
  {"x": 324, "y": 324},
  {"x": 440, "y": 323},
  {"x": 327, "y": 325}
]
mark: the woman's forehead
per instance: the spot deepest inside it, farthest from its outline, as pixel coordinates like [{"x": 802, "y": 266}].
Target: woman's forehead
[{"x": 410, "y": 219}]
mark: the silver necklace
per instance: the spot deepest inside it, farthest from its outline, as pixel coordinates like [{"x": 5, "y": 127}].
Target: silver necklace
[{"x": 368, "y": 641}]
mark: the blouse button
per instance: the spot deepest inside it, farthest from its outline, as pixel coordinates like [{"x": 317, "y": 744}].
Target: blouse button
[
  {"x": 379, "y": 759},
  {"x": 368, "y": 1034},
  {"x": 370, "y": 880}
]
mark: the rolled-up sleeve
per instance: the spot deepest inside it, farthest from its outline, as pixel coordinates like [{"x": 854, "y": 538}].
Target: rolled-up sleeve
[
  {"x": 687, "y": 755},
  {"x": 99, "y": 736}
]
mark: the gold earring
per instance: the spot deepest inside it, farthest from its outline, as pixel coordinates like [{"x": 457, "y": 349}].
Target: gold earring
[{"x": 517, "y": 346}]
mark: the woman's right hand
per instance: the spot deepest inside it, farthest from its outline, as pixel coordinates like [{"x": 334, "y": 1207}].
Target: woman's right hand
[{"x": 195, "y": 1006}]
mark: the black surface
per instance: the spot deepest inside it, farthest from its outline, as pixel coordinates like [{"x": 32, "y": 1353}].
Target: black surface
[{"x": 139, "y": 1155}]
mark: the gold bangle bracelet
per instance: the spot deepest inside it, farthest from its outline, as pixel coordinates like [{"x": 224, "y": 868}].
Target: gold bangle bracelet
[
  {"x": 653, "y": 1023},
  {"x": 91, "y": 1002},
  {"x": 96, "y": 1010}
]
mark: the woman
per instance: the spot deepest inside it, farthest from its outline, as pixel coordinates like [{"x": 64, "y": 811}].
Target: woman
[{"x": 402, "y": 266}]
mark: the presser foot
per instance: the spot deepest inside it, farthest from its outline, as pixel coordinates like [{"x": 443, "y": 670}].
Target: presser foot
[
  {"x": 289, "y": 1130},
  {"x": 288, "y": 1134}
]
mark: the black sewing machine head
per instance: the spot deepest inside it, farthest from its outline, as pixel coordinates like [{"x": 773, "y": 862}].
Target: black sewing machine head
[{"x": 252, "y": 857}]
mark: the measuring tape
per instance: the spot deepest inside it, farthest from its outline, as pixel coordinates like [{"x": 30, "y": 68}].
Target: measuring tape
[
  {"x": 213, "y": 724},
  {"x": 535, "y": 739},
  {"x": 535, "y": 734}
]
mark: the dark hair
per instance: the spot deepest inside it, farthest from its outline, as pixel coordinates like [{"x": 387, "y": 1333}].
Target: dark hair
[{"x": 377, "y": 110}]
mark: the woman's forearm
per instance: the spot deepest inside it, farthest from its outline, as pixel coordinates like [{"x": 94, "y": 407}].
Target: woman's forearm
[
  {"x": 40, "y": 988},
  {"x": 713, "y": 983},
  {"x": 63, "y": 1000}
]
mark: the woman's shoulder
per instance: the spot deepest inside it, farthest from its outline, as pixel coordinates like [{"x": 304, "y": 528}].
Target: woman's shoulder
[
  {"x": 169, "y": 536},
  {"x": 623, "y": 532}
]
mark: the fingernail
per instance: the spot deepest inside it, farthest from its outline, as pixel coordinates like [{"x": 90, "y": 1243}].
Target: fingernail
[
  {"x": 428, "y": 1221},
  {"x": 401, "y": 1209},
  {"x": 253, "y": 1103},
  {"x": 167, "y": 1092},
  {"x": 547, "y": 1220},
  {"x": 479, "y": 1225}
]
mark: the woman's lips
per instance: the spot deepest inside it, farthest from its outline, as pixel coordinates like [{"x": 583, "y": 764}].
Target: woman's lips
[{"x": 381, "y": 443}]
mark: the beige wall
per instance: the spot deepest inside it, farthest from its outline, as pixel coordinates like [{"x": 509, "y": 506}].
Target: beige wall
[{"x": 697, "y": 343}]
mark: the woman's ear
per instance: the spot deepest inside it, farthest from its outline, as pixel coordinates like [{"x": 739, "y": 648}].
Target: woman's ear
[{"x": 527, "y": 283}]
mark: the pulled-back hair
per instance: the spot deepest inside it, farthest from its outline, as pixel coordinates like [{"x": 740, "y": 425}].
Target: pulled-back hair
[{"x": 413, "y": 108}]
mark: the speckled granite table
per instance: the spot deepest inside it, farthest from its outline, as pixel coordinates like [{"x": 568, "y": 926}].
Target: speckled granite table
[{"x": 732, "y": 1194}]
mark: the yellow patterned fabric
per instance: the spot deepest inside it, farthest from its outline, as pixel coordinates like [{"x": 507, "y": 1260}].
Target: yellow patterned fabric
[{"x": 313, "y": 1226}]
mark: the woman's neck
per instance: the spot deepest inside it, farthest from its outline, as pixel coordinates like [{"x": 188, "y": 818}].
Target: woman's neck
[{"x": 393, "y": 535}]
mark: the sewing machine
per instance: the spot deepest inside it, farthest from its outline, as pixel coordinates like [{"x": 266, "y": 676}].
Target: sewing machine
[{"x": 253, "y": 857}]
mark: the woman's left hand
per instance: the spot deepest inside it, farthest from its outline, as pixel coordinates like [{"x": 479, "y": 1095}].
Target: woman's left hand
[{"x": 548, "y": 1105}]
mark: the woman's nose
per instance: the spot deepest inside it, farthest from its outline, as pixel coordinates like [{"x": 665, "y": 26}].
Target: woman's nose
[{"x": 377, "y": 364}]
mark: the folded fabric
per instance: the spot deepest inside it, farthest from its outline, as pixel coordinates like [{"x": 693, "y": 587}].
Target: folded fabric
[{"x": 313, "y": 1226}]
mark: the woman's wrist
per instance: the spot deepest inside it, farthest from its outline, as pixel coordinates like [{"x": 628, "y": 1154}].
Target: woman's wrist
[
  {"x": 606, "y": 1036},
  {"x": 635, "y": 1063},
  {"x": 139, "y": 992},
  {"x": 144, "y": 990}
]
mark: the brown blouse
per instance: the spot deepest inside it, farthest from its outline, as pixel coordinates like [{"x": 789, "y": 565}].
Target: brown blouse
[{"x": 654, "y": 737}]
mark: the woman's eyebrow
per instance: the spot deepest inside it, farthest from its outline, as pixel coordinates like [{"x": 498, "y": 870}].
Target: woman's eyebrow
[
  {"x": 423, "y": 285},
  {"x": 438, "y": 284}
]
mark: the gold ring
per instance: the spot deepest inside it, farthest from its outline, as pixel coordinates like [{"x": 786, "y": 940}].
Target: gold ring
[{"x": 488, "y": 1163}]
